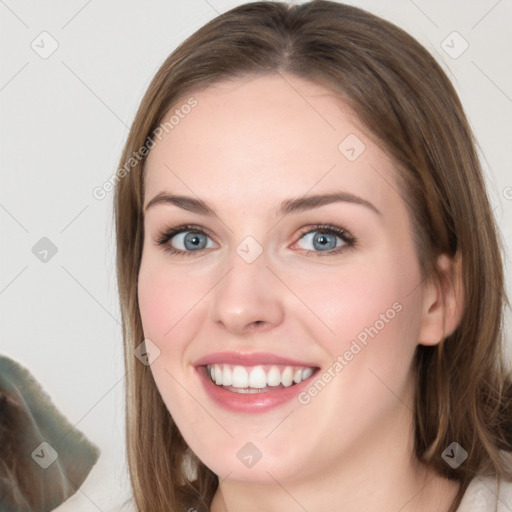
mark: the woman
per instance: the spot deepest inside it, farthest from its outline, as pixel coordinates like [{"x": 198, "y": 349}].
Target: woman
[{"x": 263, "y": 377}]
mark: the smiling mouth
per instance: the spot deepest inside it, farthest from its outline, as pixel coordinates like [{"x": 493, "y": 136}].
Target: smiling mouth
[{"x": 257, "y": 379}]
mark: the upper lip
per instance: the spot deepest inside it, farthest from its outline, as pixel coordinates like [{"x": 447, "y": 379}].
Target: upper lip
[{"x": 250, "y": 359}]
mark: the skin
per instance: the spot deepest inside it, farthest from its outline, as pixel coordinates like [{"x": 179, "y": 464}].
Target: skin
[{"x": 247, "y": 146}]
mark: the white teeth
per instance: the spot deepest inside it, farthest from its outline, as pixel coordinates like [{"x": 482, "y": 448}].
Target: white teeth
[
  {"x": 227, "y": 376},
  {"x": 218, "y": 375},
  {"x": 287, "y": 377},
  {"x": 274, "y": 376},
  {"x": 240, "y": 377},
  {"x": 256, "y": 377},
  {"x": 306, "y": 373}
]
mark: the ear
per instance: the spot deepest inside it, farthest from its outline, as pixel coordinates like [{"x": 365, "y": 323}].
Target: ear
[{"x": 443, "y": 301}]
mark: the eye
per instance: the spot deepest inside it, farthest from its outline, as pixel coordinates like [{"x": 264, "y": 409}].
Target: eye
[
  {"x": 188, "y": 239},
  {"x": 324, "y": 239},
  {"x": 184, "y": 240}
]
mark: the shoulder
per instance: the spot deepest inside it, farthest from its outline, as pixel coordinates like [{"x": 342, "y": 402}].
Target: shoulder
[{"x": 487, "y": 494}]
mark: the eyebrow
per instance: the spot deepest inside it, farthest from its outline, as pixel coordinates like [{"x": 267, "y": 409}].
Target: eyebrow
[{"x": 288, "y": 206}]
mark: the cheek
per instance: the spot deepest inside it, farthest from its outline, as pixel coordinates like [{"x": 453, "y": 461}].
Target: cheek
[
  {"x": 367, "y": 296},
  {"x": 164, "y": 297},
  {"x": 367, "y": 301},
  {"x": 374, "y": 318},
  {"x": 377, "y": 329},
  {"x": 155, "y": 298}
]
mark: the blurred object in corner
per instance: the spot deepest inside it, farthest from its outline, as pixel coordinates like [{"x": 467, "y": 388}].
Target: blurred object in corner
[{"x": 44, "y": 459}]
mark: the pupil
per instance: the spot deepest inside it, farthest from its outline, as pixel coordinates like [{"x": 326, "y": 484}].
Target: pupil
[
  {"x": 194, "y": 239},
  {"x": 323, "y": 239}
]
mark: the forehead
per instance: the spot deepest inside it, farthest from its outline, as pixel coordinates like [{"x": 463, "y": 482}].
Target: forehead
[{"x": 268, "y": 137}]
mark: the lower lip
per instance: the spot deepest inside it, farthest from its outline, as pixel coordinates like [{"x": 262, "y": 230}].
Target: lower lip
[{"x": 250, "y": 402}]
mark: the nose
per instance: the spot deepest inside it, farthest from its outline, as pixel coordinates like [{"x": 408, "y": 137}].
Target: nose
[{"x": 249, "y": 298}]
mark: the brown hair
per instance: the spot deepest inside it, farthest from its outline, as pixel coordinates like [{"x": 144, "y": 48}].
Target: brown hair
[{"x": 408, "y": 105}]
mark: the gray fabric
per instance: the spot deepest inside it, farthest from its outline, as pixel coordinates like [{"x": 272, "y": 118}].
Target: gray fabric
[{"x": 43, "y": 458}]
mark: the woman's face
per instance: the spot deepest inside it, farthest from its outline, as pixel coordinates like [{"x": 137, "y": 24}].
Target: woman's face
[{"x": 275, "y": 294}]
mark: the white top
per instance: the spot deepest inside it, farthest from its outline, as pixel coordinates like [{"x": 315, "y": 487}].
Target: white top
[{"x": 485, "y": 495}]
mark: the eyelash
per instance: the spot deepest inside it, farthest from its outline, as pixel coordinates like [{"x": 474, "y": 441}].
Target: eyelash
[{"x": 350, "y": 241}]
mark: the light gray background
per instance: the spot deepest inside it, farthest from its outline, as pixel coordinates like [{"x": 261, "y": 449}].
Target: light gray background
[{"x": 63, "y": 124}]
